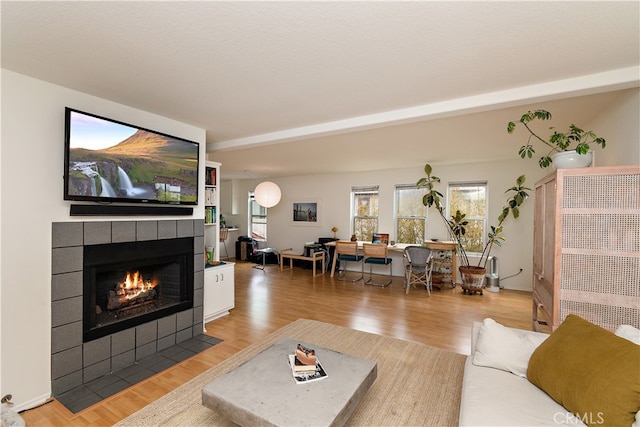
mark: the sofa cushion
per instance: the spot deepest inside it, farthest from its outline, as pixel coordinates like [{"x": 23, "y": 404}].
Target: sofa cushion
[
  {"x": 505, "y": 348},
  {"x": 590, "y": 371}
]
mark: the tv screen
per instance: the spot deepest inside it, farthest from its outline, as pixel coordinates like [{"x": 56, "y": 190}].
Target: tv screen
[{"x": 110, "y": 161}]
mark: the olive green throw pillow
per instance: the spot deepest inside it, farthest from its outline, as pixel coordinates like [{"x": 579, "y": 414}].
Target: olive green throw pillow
[{"x": 590, "y": 371}]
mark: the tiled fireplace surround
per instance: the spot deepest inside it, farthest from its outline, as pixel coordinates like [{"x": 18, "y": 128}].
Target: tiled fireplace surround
[{"x": 73, "y": 362}]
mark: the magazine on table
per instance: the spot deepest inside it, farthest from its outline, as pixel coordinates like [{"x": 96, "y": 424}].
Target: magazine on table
[{"x": 308, "y": 376}]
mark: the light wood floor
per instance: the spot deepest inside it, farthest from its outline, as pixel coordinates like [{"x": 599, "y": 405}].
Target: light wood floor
[{"x": 266, "y": 301}]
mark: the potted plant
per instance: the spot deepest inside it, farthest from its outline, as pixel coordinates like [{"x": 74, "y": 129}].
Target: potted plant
[
  {"x": 472, "y": 275},
  {"x": 574, "y": 144}
]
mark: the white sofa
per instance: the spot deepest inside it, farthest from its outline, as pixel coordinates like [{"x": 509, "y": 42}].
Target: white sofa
[{"x": 495, "y": 397}]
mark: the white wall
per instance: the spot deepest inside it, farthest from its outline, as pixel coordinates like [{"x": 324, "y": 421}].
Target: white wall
[
  {"x": 619, "y": 124},
  {"x": 32, "y": 190}
]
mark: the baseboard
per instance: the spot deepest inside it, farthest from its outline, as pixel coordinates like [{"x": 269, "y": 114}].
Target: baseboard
[{"x": 32, "y": 403}]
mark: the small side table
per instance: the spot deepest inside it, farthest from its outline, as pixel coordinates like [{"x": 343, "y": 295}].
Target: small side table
[{"x": 264, "y": 252}]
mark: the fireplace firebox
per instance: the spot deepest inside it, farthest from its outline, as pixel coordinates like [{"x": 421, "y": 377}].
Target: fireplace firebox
[{"x": 127, "y": 284}]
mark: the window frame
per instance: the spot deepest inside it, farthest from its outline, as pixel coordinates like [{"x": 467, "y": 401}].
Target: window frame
[
  {"x": 250, "y": 205},
  {"x": 483, "y": 220},
  {"x": 362, "y": 190},
  {"x": 397, "y": 217}
]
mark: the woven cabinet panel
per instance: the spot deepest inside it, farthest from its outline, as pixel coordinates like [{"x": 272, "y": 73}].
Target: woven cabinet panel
[
  {"x": 615, "y": 191},
  {"x": 600, "y": 248}
]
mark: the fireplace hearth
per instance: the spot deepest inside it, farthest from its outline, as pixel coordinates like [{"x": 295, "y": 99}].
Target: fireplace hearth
[{"x": 127, "y": 284}]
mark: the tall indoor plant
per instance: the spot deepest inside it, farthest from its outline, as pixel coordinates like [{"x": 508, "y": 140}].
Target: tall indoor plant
[
  {"x": 473, "y": 275},
  {"x": 569, "y": 143}
]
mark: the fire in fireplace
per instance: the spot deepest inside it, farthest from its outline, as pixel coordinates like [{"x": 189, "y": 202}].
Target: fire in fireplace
[{"x": 127, "y": 284}]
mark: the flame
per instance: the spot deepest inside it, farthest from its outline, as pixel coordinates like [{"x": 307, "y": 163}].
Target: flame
[{"x": 134, "y": 284}]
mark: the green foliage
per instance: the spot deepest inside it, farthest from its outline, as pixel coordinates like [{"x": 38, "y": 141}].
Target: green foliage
[
  {"x": 457, "y": 225},
  {"x": 574, "y": 139}
]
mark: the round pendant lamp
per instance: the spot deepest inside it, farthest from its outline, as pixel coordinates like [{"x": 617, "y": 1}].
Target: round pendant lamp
[{"x": 267, "y": 194}]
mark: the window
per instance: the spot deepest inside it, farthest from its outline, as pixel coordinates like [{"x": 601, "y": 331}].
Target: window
[
  {"x": 257, "y": 219},
  {"x": 411, "y": 214},
  {"x": 470, "y": 198},
  {"x": 364, "y": 211}
]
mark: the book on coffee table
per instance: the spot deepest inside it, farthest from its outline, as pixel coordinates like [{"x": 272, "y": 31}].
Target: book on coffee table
[{"x": 306, "y": 376}]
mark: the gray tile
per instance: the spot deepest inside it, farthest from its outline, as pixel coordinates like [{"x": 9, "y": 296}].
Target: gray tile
[
  {"x": 198, "y": 315},
  {"x": 122, "y": 360},
  {"x": 147, "y": 230},
  {"x": 184, "y": 335},
  {"x": 198, "y": 297},
  {"x": 138, "y": 376},
  {"x": 66, "y": 336},
  {"x": 123, "y": 231},
  {"x": 167, "y": 326},
  {"x": 185, "y": 319},
  {"x": 96, "y": 233},
  {"x": 198, "y": 328},
  {"x": 66, "y": 362},
  {"x": 84, "y": 402},
  {"x": 167, "y": 230},
  {"x": 185, "y": 228},
  {"x": 198, "y": 227},
  {"x": 146, "y": 350},
  {"x": 123, "y": 341},
  {"x": 98, "y": 370},
  {"x": 66, "y": 285},
  {"x": 66, "y": 234},
  {"x": 166, "y": 342},
  {"x": 198, "y": 262},
  {"x": 114, "y": 388},
  {"x": 102, "y": 382},
  {"x": 66, "y": 311},
  {"x": 161, "y": 365},
  {"x": 96, "y": 351},
  {"x": 66, "y": 383},
  {"x": 66, "y": 260},
  {"x": 182, "y": 355},
  {"x": 146, "y": 333},
  {"x": 198, "y": 245},
  {"x": 195, "y": 345},
  {"x": 198, "y": 279}
]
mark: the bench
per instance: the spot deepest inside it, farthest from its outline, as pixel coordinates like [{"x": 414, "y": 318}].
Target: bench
[{"x": 314, "y": 257}]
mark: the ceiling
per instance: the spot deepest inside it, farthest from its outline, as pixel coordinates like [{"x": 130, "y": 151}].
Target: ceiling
[{"x": 289, "y": 88}]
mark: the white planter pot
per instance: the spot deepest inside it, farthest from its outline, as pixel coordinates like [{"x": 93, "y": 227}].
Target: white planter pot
[{"x": 571, "y": 160}]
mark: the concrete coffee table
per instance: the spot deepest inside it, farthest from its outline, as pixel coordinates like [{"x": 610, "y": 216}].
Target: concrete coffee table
[{"x": 262, "y": 391}]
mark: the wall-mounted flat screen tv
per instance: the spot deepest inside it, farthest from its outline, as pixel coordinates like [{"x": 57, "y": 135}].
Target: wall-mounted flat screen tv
[{"x": 110, "y": 161}]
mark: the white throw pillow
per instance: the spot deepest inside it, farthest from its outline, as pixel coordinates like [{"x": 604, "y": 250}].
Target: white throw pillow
[
  {"x": 629, "y": 332},
  {"x": 504, "y": 348}
]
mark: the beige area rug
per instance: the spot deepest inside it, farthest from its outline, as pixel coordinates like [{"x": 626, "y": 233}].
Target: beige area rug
[{"x": 417, "y": 385}]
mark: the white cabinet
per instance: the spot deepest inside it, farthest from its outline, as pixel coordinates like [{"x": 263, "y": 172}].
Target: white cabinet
[{"x": 219, "y": 291}]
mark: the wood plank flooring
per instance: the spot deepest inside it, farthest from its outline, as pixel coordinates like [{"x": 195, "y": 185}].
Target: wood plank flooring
[{"x": 266, "y": 301}]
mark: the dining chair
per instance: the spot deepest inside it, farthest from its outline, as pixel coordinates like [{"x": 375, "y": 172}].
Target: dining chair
[
  {"x": 418, "y": 263},
  {"x": 376, "y": 254},
  {"x": 347, "y": 252},
  {"x": 224, "y": 235}
]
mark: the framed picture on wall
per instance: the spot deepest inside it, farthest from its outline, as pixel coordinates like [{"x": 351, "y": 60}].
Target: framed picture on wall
[{"x": 305, "y": 212}]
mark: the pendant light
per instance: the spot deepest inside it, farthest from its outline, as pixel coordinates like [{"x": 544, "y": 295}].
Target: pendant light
[{"x": 267, "y": 194}]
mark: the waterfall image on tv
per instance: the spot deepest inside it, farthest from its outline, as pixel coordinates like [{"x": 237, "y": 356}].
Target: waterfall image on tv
[{"x": 107, "y": 161}]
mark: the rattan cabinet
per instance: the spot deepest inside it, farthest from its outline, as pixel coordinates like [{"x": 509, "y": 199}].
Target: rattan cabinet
[{"x": 586, "y": 254}]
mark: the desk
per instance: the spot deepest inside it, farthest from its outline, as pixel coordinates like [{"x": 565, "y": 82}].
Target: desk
[{"x": 399, "y": 247}]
